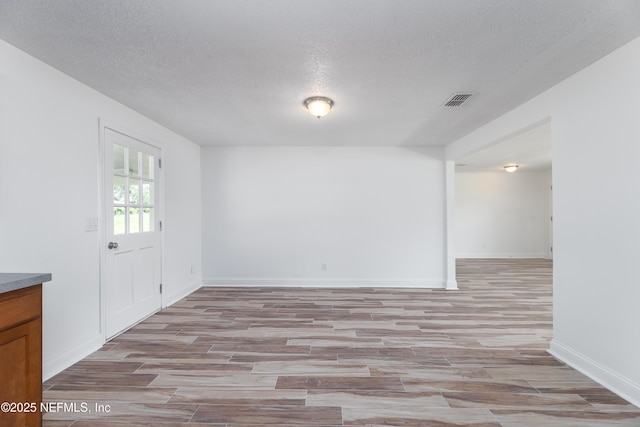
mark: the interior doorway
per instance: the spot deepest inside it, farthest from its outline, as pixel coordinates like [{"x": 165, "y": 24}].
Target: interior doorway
[{"x": 501, "y": 214}]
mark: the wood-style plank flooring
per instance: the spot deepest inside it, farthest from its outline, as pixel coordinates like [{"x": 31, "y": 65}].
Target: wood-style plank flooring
[{"x": 333, "y": 357}]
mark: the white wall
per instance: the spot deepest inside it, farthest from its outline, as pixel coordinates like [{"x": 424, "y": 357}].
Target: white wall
[
  {"x": 503, "y": 215},
  {"x": 49, "y": 185},
  {"x": 596, "y": 205},
  {"x": 274, "y": 215},
  {"x": 182, "y": 226}
]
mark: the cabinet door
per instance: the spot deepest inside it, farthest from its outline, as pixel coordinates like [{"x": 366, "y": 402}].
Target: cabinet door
[{"x": 21, "y": 373}]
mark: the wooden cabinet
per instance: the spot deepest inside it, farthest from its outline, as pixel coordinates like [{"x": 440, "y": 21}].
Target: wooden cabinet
[{"x": 21, "y": 356}]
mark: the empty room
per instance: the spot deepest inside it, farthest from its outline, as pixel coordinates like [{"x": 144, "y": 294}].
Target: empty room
[{"x": 319, "y": 213}]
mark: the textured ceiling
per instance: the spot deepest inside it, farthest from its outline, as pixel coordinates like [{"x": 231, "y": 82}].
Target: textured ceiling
[
  {"x": 530, "y": 150},
  {"x": 230, "y": 72}
]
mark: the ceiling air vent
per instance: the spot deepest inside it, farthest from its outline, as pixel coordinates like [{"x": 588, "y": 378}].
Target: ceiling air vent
[{"x": 457, "y": 99}]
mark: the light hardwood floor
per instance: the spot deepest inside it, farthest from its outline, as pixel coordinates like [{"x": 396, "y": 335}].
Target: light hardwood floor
[{"x": 333, "y": 357}]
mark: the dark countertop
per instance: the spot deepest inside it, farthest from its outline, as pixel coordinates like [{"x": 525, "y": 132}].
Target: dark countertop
[{"x": 14, "y": 281}]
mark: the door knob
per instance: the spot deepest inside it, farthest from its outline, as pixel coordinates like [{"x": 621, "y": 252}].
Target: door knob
[{"x": 113, "y": 245}]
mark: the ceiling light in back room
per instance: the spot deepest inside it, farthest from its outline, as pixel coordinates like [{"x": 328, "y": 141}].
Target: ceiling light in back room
[
  {"x": 319, "y": 106},
  {"x": 511, "y": 168}
]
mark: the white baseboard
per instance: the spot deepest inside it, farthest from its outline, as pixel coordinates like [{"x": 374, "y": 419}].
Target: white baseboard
[
  {"x": 60, "y": 363},
  {"x": 326, "y": 283},
  {"x": 452, "y": 285},
  {"x": 502, "y": 255},
  {"x": 175, "y": 296},
  {"x": 615, "y": 382}
]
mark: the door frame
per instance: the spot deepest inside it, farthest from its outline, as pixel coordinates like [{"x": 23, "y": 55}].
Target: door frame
[{"x": 102, "y": 238}]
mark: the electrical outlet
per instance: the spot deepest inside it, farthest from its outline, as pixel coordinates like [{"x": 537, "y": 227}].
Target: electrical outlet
[{"x": 324, "y": 266}]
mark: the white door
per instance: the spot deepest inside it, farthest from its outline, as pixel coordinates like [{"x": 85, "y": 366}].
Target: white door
[{"x": 133, "y": 263}]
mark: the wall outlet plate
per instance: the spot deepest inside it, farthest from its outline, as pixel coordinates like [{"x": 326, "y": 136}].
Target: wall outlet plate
[{"x": 91, "y": 224}]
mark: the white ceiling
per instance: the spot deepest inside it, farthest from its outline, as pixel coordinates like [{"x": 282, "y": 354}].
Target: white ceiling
[
  {"x": 530, "y": 150},
  {"x": 230, "y": 72}
]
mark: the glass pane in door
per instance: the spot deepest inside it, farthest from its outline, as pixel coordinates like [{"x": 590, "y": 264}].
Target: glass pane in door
[
  {"x": 147, "y": 193},
  {"x": 119, "y": 190},
  {"x": 134, "y": 220},
  {"x": 134, "y": 191},
  {"x": 119, "y": 221},
  {"x": 118, "y": 159},
  {"x": 147, "y": 166},
  {"x": 134, "y": 162},
  {"x": 147, "y": 219}
]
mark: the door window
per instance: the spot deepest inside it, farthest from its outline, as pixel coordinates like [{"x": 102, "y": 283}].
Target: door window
[{"x": 133, "y": 191}]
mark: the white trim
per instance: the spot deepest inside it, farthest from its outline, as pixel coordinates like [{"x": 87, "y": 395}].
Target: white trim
[
  {"x": 102, "y": 240},
  {"x": 503, "y": 255},
  {"x": 620, "y": 385},
  {"x": 62, "y": 362},
  {"x": 325, "y": 283},
  {"x": 450, "y": 224},
  {"x": 58, "y": 364},
  {"x": 174, "y": 297}
]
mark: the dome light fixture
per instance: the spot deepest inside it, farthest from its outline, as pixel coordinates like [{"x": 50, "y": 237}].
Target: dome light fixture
[
  {"x": 511, "y": 168},
  {"x": 319, "y": 106}
]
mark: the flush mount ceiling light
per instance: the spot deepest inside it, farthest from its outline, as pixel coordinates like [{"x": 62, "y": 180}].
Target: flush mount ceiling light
[
  {"x": 319, "y": 106},
  {"x": 511, "y": 168}
]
